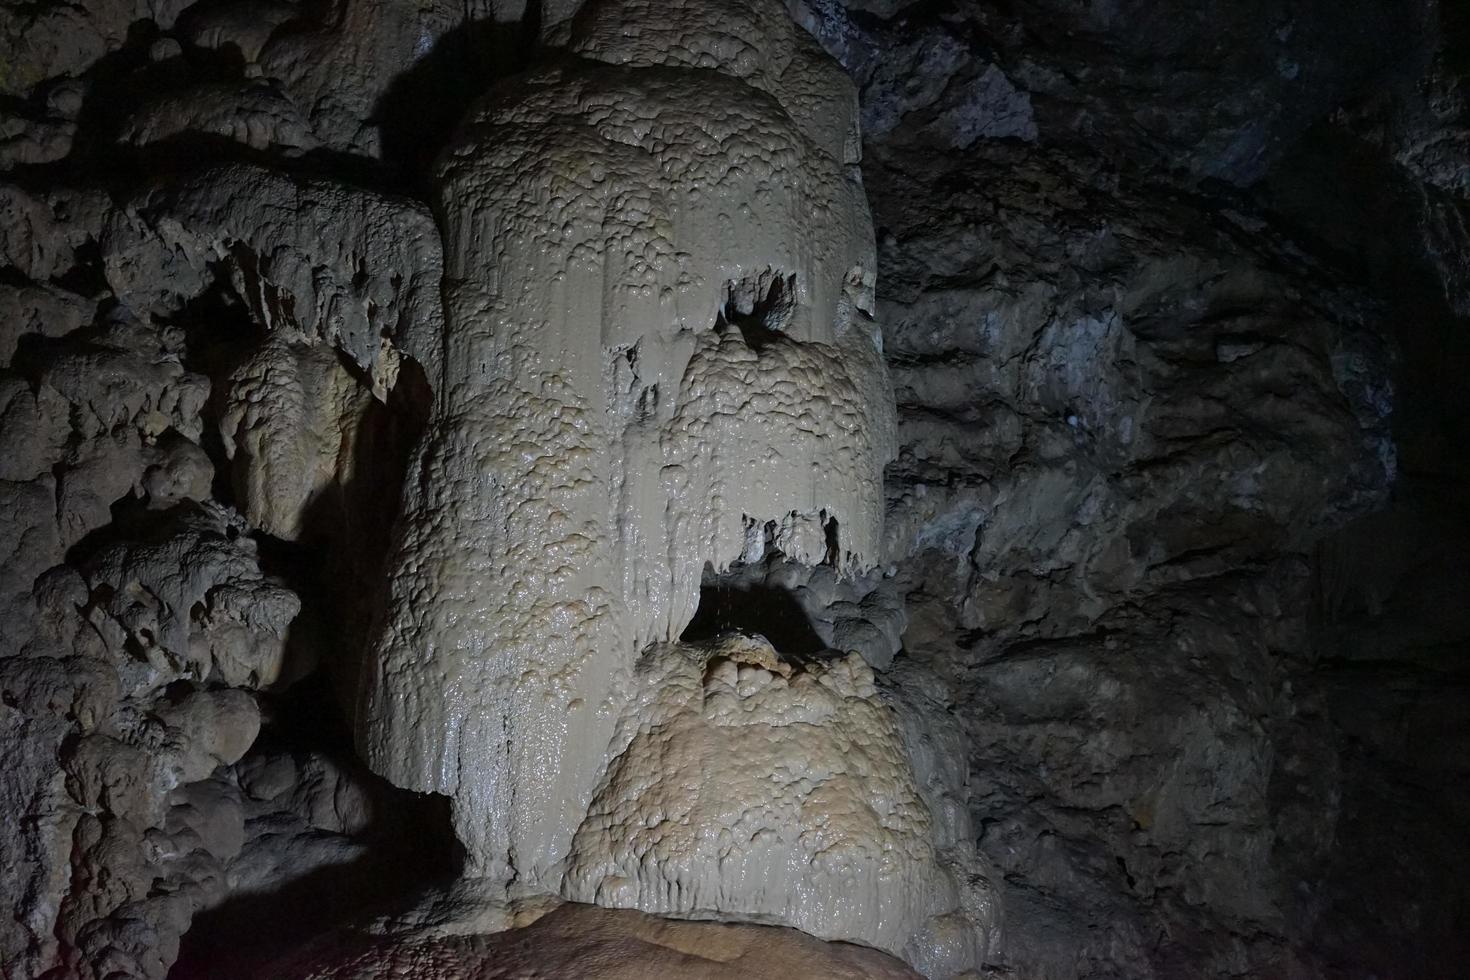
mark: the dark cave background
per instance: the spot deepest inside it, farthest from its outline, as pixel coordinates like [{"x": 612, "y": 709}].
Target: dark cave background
[{"x": 1174, "y": 296}]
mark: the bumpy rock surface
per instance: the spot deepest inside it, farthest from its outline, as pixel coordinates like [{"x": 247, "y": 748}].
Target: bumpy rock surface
[
  {"x": 1056, "y": 392},
  {"x": 370, "y": 289},
  {"x": 1168, "y": 615},
  {"x": 1195, "y": 394},
  {"x": 804, "y": 609},
  {"x": 659, "y": 354}
]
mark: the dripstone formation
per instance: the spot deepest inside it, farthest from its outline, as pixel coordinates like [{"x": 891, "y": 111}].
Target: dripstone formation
[
  {"x": 656, "y": 345},
  {"x": 659, "y": 354},
  {"x": 731, "y": 488}
]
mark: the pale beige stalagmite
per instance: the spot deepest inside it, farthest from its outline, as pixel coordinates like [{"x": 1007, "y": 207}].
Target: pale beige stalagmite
[
  {"x": 746, "y": 787},
  {"x": 658, "y": 354}
]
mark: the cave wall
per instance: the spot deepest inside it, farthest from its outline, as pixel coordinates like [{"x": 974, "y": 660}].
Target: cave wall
[
  {"x": 1172, "y": 299},
  {"x": 1195, "y": 704}
]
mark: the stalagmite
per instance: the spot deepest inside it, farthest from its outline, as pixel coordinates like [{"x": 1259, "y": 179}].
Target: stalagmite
[
  {"x": 746, "y": 787},
  {"x": 659, "y": 353}
]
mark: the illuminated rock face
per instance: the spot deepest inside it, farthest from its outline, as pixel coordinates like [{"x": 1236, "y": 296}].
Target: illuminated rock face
[
  {"x": 658, "y": 354},
  {"x": 743, "y": 786}
]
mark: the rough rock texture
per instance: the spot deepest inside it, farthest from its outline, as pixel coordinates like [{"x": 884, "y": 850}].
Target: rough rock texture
[
  {"x": 308, "y": 824},
  {"x": 1168, "y": 617},
  {"x": 1192, "y": 394},
  {"x": 1124, "y": 527},
  {"x": 129, "y": 600},
  {"x": 745, "y": 786},
  {"x": 370, "y": 289},
  {"x": 140, "y": 619},
  {"x": 113, "y": 680},
  {"x": 658, "y": 354},
  {"x": 1215, "y": 90},
  {"x": 803, "y": 609}
]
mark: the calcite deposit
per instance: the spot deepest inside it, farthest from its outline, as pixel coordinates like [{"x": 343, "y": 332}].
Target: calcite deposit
[
  {"x": 745, "y": 786},
  {"x": 593, "y": 944},
  {"x": 369, "y": 290},
  {"x": 659, "y": 354}
]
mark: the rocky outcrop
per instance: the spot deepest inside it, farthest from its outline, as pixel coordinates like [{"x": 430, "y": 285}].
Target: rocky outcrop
[
  {"x": 113, "y": 684},
  {"x": 1030, "y": 403},
  {"x": 1214, "y": 91},
  {"x": 804, "y": 609},
  {"x": 140, "y": 624},
  {"x": 1165, "y": 394},
  {"x": 370, "y": 290}
]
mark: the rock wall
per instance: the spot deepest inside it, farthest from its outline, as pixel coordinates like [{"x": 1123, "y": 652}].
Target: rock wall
[{"x": 1093, "y": 339}]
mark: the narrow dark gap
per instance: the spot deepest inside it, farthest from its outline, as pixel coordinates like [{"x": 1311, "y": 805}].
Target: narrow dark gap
[
  {"x": 833, "y": 538},
  {"x": 730, "y": 603},
  {"x": 1127, "y": 876}
]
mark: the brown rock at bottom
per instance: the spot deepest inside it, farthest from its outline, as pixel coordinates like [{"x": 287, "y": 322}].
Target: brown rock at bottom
[{"x": 590, "y": 943}]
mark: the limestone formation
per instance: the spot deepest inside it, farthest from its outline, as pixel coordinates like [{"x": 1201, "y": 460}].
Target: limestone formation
[
  {"x": 745, "y": 787},
  {"x": 288, "y": 428},
  {"x": 252, "y": 113},
  {"x": 113, "y": 679},
  {"x": 804, "y": 609},
  {"x": 369, "y": 290},
  {"x": 659, "y": 353}
]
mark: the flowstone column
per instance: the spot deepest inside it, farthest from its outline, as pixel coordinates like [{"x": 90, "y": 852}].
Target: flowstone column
[{"x": 658, "y": 353}]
